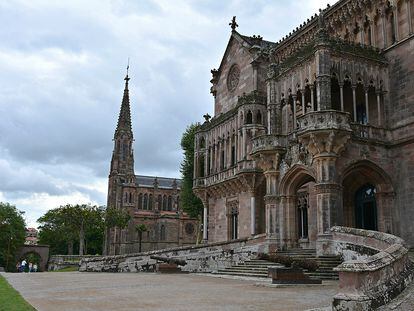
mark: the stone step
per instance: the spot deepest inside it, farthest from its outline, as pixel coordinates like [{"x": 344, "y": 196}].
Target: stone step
[{"x": 257, "y": 275}]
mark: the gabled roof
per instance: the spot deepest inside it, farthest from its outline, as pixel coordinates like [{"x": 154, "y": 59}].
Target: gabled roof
[
  {"x": 245, "y": 41},
  {"x": 163, "y": 182}
]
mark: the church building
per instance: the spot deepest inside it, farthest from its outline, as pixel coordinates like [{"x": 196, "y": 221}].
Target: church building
[
  {"x": 150, "y": 200},
  {"x": 314, "y": 130}
]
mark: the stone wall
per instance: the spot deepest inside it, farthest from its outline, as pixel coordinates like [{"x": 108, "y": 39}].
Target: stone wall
[
  {"x": 58, "y": 262},
  {"x": 203, "y": 258},
  {"x": 376, "y": 268}
]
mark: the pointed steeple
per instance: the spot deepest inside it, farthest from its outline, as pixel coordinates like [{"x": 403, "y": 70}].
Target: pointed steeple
[{"x": 124, "y": 119}]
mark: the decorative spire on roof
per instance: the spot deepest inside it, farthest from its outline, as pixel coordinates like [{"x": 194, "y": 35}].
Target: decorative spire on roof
[
  {"x": 124, "y": 119},
  {"x": 233, "y": 24}
]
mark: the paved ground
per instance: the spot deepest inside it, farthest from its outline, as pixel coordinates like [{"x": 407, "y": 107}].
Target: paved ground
[{"x": 144, "y": 291}]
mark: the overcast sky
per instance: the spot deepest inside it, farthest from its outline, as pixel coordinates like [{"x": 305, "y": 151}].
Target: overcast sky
[{"x": 62, "y": 65}]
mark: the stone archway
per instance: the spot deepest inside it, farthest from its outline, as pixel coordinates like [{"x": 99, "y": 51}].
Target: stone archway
[
  {"x": 41, "y": 250},
  {"x": 298, "y": 212},
  {"x": 355, "y": 178}
]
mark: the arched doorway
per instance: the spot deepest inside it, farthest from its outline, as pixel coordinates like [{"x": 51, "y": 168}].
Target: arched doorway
[
  {"x": 298, "y": 206},
  {"x": 366, "y": 208},
  {"x": 368, "y": 197}
]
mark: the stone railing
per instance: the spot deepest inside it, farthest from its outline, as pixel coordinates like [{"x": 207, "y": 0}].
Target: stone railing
[
  {"x": 370, "y": 132},
  {"x": 199, "y": 258},
  {"x": 242, "y": 166},
  {"x": 323, "y": 120},
  {"x": 375, "y": 270},
  {"x": 268, "y": 143}
]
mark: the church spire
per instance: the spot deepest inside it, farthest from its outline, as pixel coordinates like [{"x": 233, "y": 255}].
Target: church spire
[{"x": 124, "y": 119}]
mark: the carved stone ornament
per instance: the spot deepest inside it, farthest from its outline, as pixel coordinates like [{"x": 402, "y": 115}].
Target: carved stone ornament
[{"x": 233, "y": 78}]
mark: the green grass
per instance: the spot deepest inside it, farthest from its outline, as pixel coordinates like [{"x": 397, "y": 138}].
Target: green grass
[
  {"x": 67, "y": 269},
  {"x": 10, "y": 299}
]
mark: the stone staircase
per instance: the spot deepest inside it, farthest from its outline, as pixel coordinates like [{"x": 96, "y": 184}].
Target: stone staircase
[
  {"x": 250, "y": 268},
  {"x": 258, "y": 268},
  {"x": 326, "y": 263}
]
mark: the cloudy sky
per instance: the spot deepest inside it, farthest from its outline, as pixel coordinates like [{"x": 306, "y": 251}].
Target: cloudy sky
[{"x": 62, "y": 65}]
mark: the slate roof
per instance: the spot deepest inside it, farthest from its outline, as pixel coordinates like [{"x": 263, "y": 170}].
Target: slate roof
[{"x": 163, "y": 182}]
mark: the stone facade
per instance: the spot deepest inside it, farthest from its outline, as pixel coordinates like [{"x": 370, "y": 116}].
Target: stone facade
[
  {"x": 152, "y": 201},
  {"x": 314, "y": 130}
]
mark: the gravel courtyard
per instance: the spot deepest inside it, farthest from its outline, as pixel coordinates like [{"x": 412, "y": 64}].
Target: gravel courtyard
[{"x": 143, "y": 291}]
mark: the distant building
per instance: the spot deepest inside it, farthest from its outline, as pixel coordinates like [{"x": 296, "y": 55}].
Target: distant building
[
  {"x": 153, "y": 201},
  {"x": 31, "y": 236}
]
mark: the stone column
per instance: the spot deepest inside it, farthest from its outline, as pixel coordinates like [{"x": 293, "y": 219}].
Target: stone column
[
  {"x": 367, "y": 104},
  {"x": 294, "y": 111},
  {"x": 205, "y": 221},
  {"x": 395, "y": 21},
  {"x": 409, "y": 18},
  {"x": 384, "y": 31},
  {"x": 312, "y": 99},
  {"x": 287, "y": 117},
  {"x": 341, "y": 91},
  {"x": 323, "y": 76},
  {"x": 354, "y": 102},
  {"x": 379, "y": 108},
  {"x": 303, "y": 101},
  {"x": 252, "y": 214}
]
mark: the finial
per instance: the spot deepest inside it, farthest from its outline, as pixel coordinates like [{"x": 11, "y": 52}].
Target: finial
[
  {"x": 207, "y": 117},
  {"x": 126, "y": 77},
  {"x": 233, "y": 23}
]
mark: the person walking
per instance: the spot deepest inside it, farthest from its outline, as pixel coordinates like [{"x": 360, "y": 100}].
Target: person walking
[
  {"x": 30, "y": 267},
  {"x": 35, "y": 267},
  {"x": 23, "y": 265}
]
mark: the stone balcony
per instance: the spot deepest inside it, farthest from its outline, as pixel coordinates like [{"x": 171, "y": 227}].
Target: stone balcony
[
  {"x": 244, "y": 166},
  {"x": 369, "y": 132},
  {"x": 268, "y": 143},
  {"x": 323, "y": 120}
]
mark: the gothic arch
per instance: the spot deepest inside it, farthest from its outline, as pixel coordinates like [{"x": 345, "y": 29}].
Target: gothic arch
[
  {"x": 369, "y": 172},
  {"x": 296, "y": 176},
  {"x": 362, "y": 173}
]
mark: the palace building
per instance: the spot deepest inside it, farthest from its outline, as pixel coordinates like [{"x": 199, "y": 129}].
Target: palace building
[
  {"x": 314, "y": 130},
  {"x": 152, "y": 201}
]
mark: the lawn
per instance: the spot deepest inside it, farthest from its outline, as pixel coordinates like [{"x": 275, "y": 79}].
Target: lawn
[{"x": 10, "y": 299}]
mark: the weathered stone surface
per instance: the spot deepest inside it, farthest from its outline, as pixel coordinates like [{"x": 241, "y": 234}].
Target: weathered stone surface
[
  {"x": 204, "y": 258},
  {"x": 369, "y": 281}
]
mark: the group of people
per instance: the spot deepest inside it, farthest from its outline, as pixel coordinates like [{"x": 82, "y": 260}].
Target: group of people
[{"x": 24, "y": 267}]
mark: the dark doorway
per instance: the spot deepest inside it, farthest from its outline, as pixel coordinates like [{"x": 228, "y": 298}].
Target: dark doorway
[
  {"x": 366, "y": 208},
  {"x": 234, "y": 223}
]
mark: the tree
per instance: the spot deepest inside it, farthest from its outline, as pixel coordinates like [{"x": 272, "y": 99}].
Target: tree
[
  {"x": 81, "y": 222},
  {"x": 189, "y": 201},
  {"x": 12, "y": 234},
  {"x": 141, "y": 228},
  {"x": 114, "y": 217}
]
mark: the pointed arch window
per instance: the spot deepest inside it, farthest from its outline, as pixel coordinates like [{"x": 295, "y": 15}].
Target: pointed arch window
[
  {"x": 164, "y": 203},
  {"x": 159, "y": 202},
  {"x": 145, "y": 202},
  {"x": 259, "y": 117},
  {"x": 162, "y": 233},
  {"x": 140, "y": 201},
  {"x": 249, "y": 117},
  {"x": 169, "y": 203},
  {"x": 150, "y": 202}
]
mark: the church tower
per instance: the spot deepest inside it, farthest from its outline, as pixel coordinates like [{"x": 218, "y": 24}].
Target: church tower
[{"x": 122, "y": 164}]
